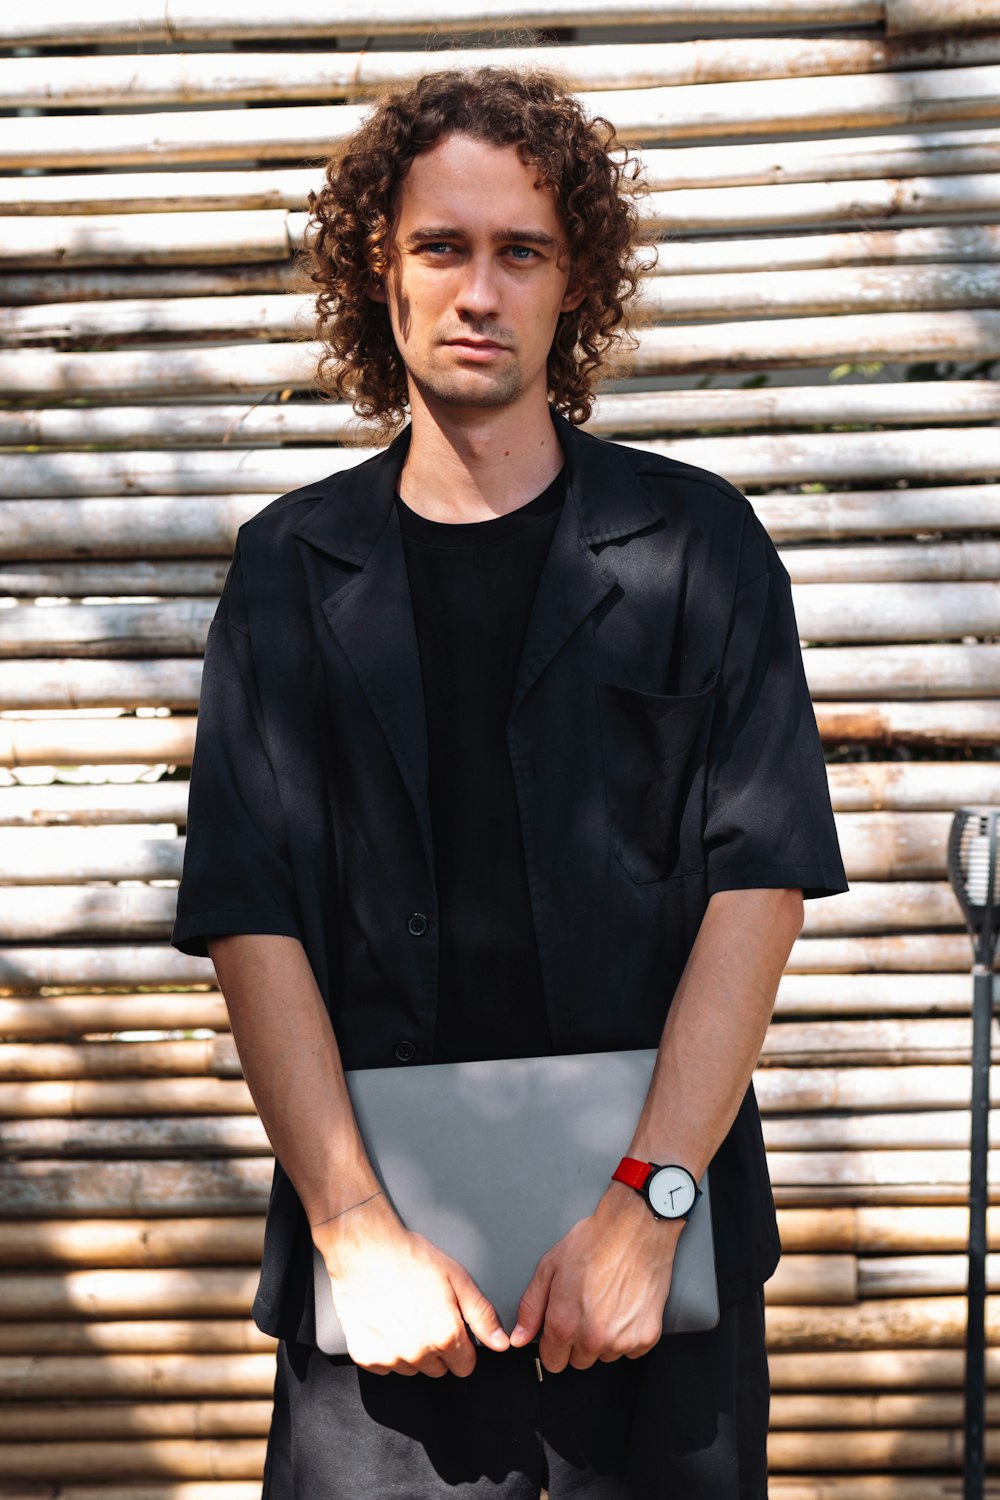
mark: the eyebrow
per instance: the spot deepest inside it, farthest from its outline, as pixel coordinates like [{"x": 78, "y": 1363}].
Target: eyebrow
[{"x": 500, "y": 236}]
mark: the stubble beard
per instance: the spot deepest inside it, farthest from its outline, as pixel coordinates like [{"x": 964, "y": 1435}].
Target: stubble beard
[{"x": 483, "y": 391}]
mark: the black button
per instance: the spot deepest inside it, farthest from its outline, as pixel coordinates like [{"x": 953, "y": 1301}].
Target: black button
[
  {"x": 405, "y": 1051},
  {"x": 417, "y": 924}
]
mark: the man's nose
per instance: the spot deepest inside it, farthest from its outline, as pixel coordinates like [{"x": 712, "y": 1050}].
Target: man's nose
[{"x": 479, "y": 293}]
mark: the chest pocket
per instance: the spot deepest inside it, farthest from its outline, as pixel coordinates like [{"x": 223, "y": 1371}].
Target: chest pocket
[{"x": 653, "y": 748}]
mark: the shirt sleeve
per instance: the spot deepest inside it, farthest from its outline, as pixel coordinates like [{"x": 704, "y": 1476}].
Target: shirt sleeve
[
  {"x": 769, "y": 822},
  {"x": 237, "y": 875}
]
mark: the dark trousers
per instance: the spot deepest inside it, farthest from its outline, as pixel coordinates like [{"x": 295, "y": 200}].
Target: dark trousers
[{"x": 688, "y": 1421}]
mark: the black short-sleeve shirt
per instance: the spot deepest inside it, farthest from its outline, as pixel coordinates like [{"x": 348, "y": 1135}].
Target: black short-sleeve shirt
[{"x": 661, "y": 743}]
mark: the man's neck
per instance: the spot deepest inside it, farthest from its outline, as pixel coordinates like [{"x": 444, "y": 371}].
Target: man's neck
[{"x": 477, "y": 464}]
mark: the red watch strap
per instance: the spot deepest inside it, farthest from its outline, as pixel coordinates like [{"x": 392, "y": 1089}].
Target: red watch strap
[{"x": 633, "y": 1173}]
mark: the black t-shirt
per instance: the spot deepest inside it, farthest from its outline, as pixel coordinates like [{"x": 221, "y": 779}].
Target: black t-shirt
[{"x": 472, "y": 585}]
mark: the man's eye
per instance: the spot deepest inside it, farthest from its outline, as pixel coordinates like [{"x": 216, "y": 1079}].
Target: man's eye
[{"x": 522, "y": 252}]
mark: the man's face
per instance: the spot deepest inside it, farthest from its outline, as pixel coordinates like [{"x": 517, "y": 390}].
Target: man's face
[{"x": 478, "y": 276}]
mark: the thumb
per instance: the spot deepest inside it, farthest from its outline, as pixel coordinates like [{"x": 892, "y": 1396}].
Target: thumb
[
  {"x": 531, "y": 1311},
  {"x": 479, "y": 1313}
]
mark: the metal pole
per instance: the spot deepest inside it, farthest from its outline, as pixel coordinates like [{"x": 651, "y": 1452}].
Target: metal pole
[{"x": 975, "y": 1349}]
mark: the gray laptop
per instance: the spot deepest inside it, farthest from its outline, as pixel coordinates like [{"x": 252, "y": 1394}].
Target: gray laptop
[{"x": 495, "y": 1161}]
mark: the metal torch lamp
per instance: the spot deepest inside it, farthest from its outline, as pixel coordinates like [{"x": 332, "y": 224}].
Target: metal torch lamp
[{"x": 972, "y": 868}]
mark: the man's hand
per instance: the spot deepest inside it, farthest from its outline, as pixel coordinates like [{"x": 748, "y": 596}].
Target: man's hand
[
  {"x": 403, "y": 1304},
  {"x": 599, "y": 1294}
]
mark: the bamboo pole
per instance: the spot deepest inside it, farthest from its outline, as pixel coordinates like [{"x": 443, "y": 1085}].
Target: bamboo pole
[
  {"x": 903, "y": 611},
  {"x": 133, "y": 1336},
  {"x": 909, "y": 1323},
  {"x": 804, "y": 1279},
  {"x": 49, "y": 742},
  {"x": 138, "y": 1377},
  {"x": 863, "y": 1229},
  {"x": 70, "y": 966},
  {"x": 66, "y": 856},
  {"x": 873, "y": 1369},
  {"x": 914, "y": 785},
  {"x": 77, "y": 1015},
  {"x": 875, "y": 906},
  {"x": 683, "y": 112},
  {"x": 959, "y": 153},
  {"x": 39, "y": 912},
  {"x": 50, "y": 284},
  {"x": 915, "y": 154},
  {"x": 150, "y": 526},
  {"x": 123, "y": 1189},
  {"x": 61, "y": 683},
  {"x": 761, "y": 344},
  {"x": 823, "y": 1410},
  {"x": 138, "y": 576},
  {"x": 59, "y": 805},
  {"x": 107, "y": 912},
  {"x": 745, "y": 459},
  {"x": 154, "y": 239},
  {"x": 887, "y": 671},
  {"x": 202, "y": 1187},
  {"x": 202, "y": 1291},
  {"x": 779, "y": 1090},
  {"x": 134, "y": 1377},
  {"x": 909, "y": 1130},
  {"x": 868, "y": 786},
  {"x": 828, "y": 612},
  {"x": 862, "y": 1487},
  {"x": 841, "y": 514},
  {"x": 128, "y": 1096},
  {"x": 243, "y": 1135},
  {"x": 152, "y": 1419},
  {"x": 908, "y": 723},
  {"x": 58, "y": 22},
  {"x": 771, "y": 343},
  {"x": 182, "y": 525},
  {"x": 888, "y": 846},
  {"x": 233, "y": 1489},
  {"x": 871, "y": 1089},
  {"x": 132, "y": 1242},
  {"x": 892, "y": 563},
  {"x": 651, "y": 413},
  {"x": 824, "y": 204},
  {"x": 902, "y": 16},
  {"x": 913, "y": 1039},
  {"x": 173, "y": 627},
  {"x": 682, "y": 298},
  {"x": 137, "y": 1458},
  {"x": 213, "y": 1136},
  {"x": 841, "y": 995},
  {"x": 919, "y": 1275},
  {"x": 204, "y": 78},
  {"x": 673, "y": 299},
  {"x": 211, "y": 1056},
  {"x": 930, "y": 1449}
]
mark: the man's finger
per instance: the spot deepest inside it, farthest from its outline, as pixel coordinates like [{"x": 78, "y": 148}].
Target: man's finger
[
  {"x": 531, "y": 1310},
  {"x": 478, "y": 1311},
  {"x": 554, "y": 1352}
]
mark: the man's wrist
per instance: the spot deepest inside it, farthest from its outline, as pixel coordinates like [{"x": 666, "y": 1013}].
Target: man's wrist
[{"x": 625, "y": 1209}]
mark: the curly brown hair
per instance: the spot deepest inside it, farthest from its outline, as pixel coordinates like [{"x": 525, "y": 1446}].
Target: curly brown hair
[{"x": 595, "y": 183}]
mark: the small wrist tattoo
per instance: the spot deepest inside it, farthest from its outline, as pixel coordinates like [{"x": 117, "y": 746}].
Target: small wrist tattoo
[{"x": 347, "y": 1210}]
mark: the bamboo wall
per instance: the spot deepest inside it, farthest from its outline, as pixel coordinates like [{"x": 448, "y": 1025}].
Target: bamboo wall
[{"x": 826, "y": 192}]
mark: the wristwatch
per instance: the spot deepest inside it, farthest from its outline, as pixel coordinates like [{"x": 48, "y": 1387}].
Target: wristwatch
[{"x": 670, "y": 1191}]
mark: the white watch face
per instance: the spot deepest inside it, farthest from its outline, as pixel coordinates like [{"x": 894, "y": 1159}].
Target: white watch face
[{"x": 671, "y": 1192}]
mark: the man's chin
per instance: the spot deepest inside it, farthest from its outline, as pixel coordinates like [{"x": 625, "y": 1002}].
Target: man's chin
[{"x": 478, "y": 393}]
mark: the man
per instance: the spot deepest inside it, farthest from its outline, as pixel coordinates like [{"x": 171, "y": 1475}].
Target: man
[{"x": 504, "y": 749}]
